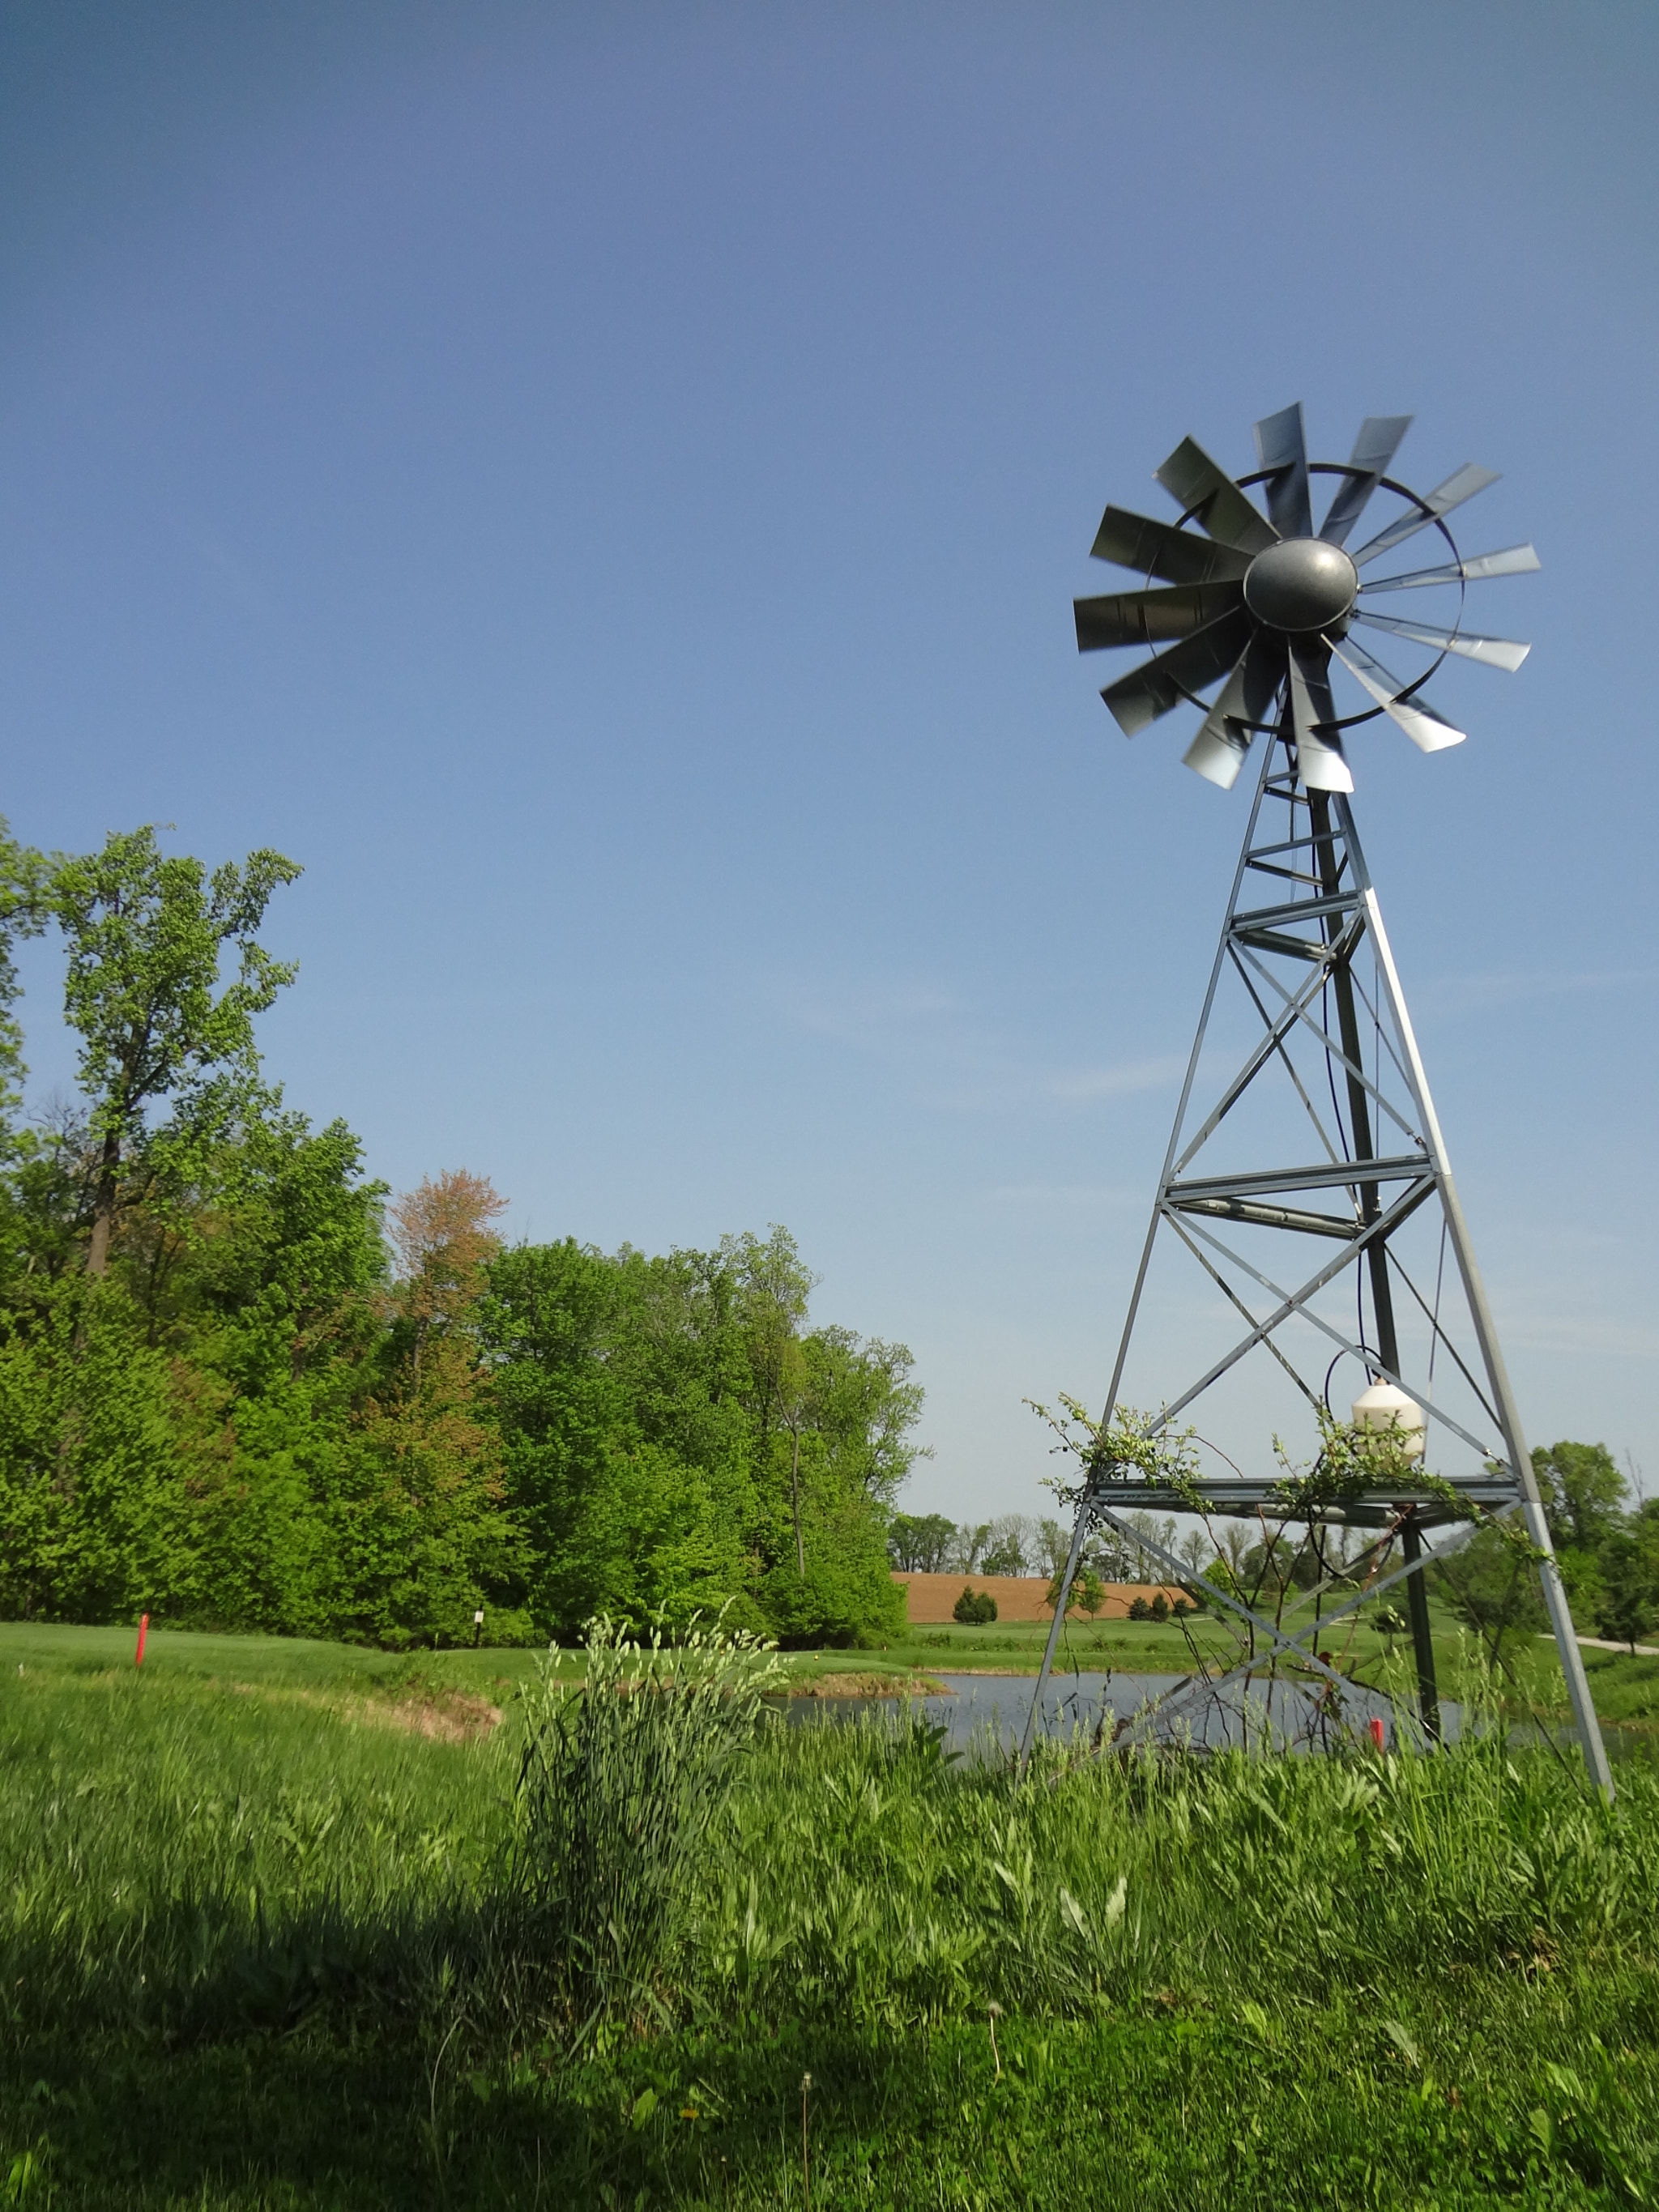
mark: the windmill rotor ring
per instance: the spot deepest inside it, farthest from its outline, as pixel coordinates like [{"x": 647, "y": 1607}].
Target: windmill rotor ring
[{"x": 1267, "y": 606}]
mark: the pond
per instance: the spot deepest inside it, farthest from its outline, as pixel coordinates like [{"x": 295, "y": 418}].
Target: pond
[{"x": 986, "y": 1714}]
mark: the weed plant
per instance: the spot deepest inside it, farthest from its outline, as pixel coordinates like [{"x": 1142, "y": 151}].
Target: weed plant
[{"x": 621, "y": 1783}]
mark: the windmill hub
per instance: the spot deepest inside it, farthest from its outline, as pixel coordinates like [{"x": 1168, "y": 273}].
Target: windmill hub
[{"x": 1301, "y": 583}]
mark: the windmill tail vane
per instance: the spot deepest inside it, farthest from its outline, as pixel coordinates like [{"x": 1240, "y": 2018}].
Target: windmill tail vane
[{"x": 1307, "y": 1244}]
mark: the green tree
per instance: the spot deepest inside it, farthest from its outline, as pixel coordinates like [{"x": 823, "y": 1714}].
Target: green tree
[
  {"x": 1629, "y": 1564},
  {"x": 93, "y": 1521},
  {"x": 25, "y": 907},
  {"x": 620, "y": 1383},
  {"x": 1088, "y": 1592},
  {"x": 146, "y": 936},
  {"x": 1493, "y": 1587},
  {"x": 1582, "y": 1491},
  {"x": 773, "y": 1287},
  {"x": 920, "y": 1543}
]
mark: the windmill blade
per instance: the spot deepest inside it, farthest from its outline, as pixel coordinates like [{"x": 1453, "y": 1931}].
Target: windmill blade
[
  {"x": 1281, "y": 446},
  {"x": 1139, "y": 698},
  {"x": 1144, "y": 618},
  {"x": 1491, "y": 652},
  {"x": 1373, "y": 451},
  {"x": 1319, "y": 760},
  {"x": 1513, "y": 561},
  {"x": 1246, "y": 698},
  {"x": 1159, "y": 549},
  {"x": 1428, "y": 732},
  {"x": 1461, "y": 485},
  {"x": 1201, "y": 487}
]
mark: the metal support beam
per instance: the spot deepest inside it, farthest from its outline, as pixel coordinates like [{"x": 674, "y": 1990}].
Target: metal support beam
[{"x": 1331, "y": 923}]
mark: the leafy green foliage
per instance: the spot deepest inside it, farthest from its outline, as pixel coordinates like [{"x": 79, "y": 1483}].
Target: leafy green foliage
[
  {"x": 238, "y": 1391},
  {"x": 647, "y": 1459},
  {"x": 146, "y": 933},
  {"x": 921, "y": 1543},
  {"x": 973, "y": 1608}
]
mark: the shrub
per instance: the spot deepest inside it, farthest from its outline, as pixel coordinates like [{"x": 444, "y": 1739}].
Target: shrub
[
  {"x": 974, "y": 1609},
  {"x": 619, "y": 1784},
  {"x": 1159, "y": 1607},
  {"x": 1139, "y": 1610}
]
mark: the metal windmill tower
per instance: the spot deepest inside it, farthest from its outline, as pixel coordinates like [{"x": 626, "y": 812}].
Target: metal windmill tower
[{"x": 1307, "y": 1181}]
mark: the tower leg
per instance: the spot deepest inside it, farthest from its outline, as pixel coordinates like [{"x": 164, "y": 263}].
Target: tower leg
[{"x": 1065, "y": 1598}]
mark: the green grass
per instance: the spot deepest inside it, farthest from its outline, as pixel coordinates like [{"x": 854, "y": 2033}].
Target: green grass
[{"x": 257, "y": 1950}]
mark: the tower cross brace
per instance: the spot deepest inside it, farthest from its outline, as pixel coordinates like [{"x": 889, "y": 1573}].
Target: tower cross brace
[{"x": 1305, "y": 959}]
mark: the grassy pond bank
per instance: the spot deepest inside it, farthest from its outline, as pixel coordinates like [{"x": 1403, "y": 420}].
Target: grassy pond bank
[{"x": 280, "y": 1930}]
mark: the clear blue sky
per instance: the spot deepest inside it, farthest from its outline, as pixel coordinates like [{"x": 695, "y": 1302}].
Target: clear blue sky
[{"x": 603, "y": 487}]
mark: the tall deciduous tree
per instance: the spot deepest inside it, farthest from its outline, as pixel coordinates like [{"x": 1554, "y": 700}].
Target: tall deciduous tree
[
  {"x": 773, "y": 1287},
  {"x": 443, "y": 1238},
  {"x": 147, "y": 934}
]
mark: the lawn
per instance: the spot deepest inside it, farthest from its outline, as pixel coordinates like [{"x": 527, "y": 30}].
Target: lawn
[{"x": 261, "y": 1946}]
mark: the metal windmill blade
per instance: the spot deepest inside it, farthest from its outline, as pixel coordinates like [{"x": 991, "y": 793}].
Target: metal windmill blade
[
  {"x": 1266, "y": 602},
  {"x": 1306, "y": 1175}
]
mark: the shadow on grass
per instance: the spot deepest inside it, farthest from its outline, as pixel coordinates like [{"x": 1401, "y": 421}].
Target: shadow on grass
[{"x": 1182, "y": 2108}]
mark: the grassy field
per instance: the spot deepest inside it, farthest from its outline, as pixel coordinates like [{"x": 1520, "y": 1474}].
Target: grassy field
[{"x": 262, "y": 1944}]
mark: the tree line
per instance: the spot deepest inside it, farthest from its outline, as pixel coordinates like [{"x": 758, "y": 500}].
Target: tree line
[
  {"x": 243, "y": 1387},
  {"x": 1024, "y": 1544}
]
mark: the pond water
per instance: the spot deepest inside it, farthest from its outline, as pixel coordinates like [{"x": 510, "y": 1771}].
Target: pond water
[{"x": 985, "y": 1714}]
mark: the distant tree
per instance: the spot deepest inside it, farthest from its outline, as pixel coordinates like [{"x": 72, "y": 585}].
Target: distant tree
[
  {"x": 970, "y": 1547},
  {"x": 920, "y": 1543},
  {"x": 25, "y": 904},
  {"x": 1493, "y": 1589},
  {"x": 1088, "y": 1592},
  {"x": 1052, "y": 1546},
  {"x": 1139, "y": 1610},
  {"x": 975, "y": 1608},
  {"x": 146, "y": 935},
  {"x": 860, "y": 1404},
  {"x": 1629, "y": 1562},
  {"x": 1012, "y": 1545},
  {"x": 442, "y": 1234},
  {"x": 1584, "y": 1492}
]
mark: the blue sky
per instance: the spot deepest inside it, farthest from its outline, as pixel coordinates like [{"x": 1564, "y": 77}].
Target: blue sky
[{"x": 603, "y": 487}]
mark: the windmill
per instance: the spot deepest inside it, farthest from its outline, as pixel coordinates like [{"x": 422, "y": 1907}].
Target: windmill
[{"x": 1306, "y": 1177}]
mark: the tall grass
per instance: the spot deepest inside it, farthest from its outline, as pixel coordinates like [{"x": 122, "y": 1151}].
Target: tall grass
[
  {"x": 180, "y": 1861},
  {"x": 201, "y": 1891},
  {"x": 189, "y": 1861},
  {"x": 623, "y": 1782}
]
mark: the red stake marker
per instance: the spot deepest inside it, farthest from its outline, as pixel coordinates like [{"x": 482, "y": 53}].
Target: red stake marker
[
  {"x": 1376, "y": 1731},
  {"x": 144, "y": 1631}
]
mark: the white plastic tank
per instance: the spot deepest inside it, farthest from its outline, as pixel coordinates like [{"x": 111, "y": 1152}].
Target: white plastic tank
[{"x": 1385, "y": 1406}]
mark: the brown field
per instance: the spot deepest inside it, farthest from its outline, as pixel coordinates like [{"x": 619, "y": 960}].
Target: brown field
[{"x": 929, "y": 1598}]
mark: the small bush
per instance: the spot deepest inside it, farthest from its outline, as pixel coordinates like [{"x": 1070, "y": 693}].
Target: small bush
[
  {"x": 974, "y": 1609},
  {"x": 1159, "y": 1607},
  {"x": 1139, "y": 1610},
  {"x": 620, "y": 1783}
]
